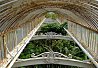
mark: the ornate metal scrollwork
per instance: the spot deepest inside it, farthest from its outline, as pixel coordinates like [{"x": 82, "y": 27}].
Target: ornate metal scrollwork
[{"x": 49, "y": 57}]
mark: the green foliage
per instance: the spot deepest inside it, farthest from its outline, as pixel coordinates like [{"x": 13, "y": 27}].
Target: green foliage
[
  {"x": 32, "y": 47},
  {"x": 50, "y": 27},
  {"x": 64, "y": 25},
  {"x": 54, "y": 27},
  {"x": 63, "y": 46}
]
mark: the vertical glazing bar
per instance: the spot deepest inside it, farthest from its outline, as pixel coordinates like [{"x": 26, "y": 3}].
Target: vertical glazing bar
[
  {"x": 80, "y": 33},
  {"x": 97, "y": 44},
  {"x": 11, "y": 41},
  {"x": 30, "y": 26},
  {"x": 26, "y": 29},
  {"x": 21, "y": 34},
  {"x": 93, "y": 41},
  {"x": 95, "y": 48},
  {"x": 4, "y": 45},
  {"x": 7, "y": 40},
  {"x": 77, "y": 32},
  {"x": 2, "y": 48},
  {"x": 94, "y": 45},
  {"x": 68, "y": 26},
  {"x": 86, "y": 37},
  {"x": 10, "y": 45},
  {"x": 23, "y": 31},
  {"x": 33, "y": 23},
  {"x": 89, "y": 39},
  {"x": 73, "y": 28},
  {"x": 15, "y": 38}
]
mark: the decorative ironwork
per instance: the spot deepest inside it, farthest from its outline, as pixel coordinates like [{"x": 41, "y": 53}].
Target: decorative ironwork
[{"x": 50, "y": 55}]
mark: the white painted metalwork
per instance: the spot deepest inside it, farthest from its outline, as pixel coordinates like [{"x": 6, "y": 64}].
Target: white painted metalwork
[
  {"x": 83, "y": 49},
  {"x": 17, "y": 15},
  {"x": 50, "y": 35},
  {"x": 52, "y": 58},
  {"x": 20, "y": 47}
]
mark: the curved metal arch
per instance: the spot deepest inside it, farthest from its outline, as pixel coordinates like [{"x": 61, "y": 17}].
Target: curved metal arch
[
  {"x": 26, "y": 6},
  {"x": 30, "y": 17},
  {"x": 71, "y": 16},
  {"x": 56, "y": 60},
  {"x": 45, "y": 10},
  {"x": 36, "y": 37}
]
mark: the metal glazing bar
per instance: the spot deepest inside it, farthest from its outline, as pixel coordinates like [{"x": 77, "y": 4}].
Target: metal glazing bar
[{"x": 84, "y": 50}]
